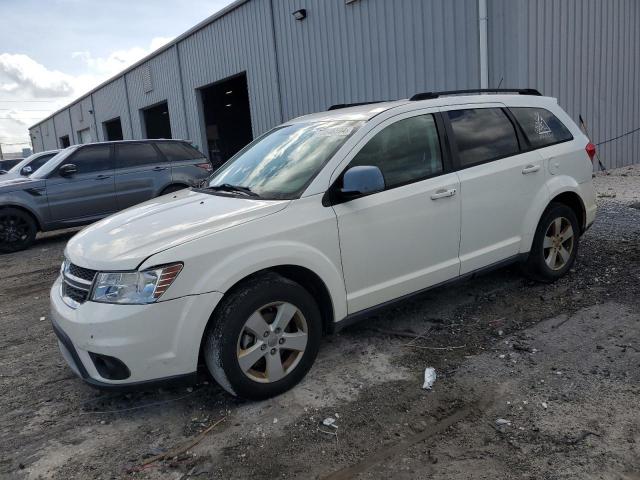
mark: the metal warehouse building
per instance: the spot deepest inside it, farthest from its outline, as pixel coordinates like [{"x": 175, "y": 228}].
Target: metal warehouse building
[{"x": 258, "y": 63}]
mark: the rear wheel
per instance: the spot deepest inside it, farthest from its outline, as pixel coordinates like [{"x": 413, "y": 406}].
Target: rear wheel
[
  {"x": 555, "y": 244},
  {"x": 17, "y": 230},
  {"x": 264, "y": 337}
]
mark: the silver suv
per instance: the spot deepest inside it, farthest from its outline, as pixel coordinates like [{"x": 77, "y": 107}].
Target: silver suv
[{"x": 84, "y": 183}]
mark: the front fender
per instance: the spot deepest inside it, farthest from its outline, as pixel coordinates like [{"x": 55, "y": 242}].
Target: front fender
[{"x": 36, "y": 205}]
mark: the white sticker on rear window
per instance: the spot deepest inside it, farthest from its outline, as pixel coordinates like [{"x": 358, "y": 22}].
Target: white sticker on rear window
[{"x": 540, "y": 126}]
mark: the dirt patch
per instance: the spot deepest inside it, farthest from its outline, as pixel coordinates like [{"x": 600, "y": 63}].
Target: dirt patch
[{"x": 558, "y": 363}]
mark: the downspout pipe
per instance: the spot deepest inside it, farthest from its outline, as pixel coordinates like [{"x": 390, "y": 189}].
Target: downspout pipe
[{"x": 483, "y": 43}]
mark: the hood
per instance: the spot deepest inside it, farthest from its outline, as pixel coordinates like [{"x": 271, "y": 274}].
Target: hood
[
  {"x": 14, "y": 181},
  {"x": 124, "y": 240}
]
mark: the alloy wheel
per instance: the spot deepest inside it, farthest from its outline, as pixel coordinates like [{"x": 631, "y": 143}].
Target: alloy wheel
[
  {"x": 558, "y": 243},
  {"x": 13, "y": 229},
  {"x": 272, "y": 342}
]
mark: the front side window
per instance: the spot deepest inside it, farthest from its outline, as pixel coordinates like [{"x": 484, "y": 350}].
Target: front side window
[
  {"x": 92, "y": 159},
  {"x": 541, "y": 127},
  {"x": 482, "y": 134},
  {"x": 405, "y": 151},
  {"x": 136, "y": 155},
  {"x": 282, "y": 163}
]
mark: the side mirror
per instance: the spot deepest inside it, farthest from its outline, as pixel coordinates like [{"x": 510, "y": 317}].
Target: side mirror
[
  {"x": 26, "y": 170},
  {"x": 362, "y": 180},
  {"x": 68, "y": 170}
]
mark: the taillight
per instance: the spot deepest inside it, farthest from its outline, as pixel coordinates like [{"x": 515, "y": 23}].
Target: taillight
[
  {"x": 591, "y": 150},
  {"x": 207, "y": 166}
]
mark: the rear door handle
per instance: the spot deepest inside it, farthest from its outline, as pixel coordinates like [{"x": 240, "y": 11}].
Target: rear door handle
[
  {"x": 530, "y": 169},
  {"x": 159, "y": 169},
  {"x": 443, "y": 194},
  {"x": 103, "y": 177}
]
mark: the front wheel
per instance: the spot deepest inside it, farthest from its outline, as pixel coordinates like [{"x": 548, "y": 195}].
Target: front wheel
[
  {"x": 555, "y": 244},
  {"x": 17, "y": 230},
  {"x": 263, "y": 338}
]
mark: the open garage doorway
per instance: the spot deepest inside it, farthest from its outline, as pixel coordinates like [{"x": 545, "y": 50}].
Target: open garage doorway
[
  {"x": 113, "y": 129},
  {"x": 156, "y": 121},
  {"x": 227, "y": 117}
]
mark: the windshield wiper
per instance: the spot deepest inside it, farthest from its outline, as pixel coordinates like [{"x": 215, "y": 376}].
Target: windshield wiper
[{"x": 227, "y": 187}]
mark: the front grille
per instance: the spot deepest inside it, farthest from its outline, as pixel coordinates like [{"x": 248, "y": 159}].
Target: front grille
[
  {"x": 77, "y": 282},
  {"x": 81, "y": 272},
  {"x": 76, "y": 294}
]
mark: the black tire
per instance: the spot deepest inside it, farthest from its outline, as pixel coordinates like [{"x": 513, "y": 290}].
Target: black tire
[
  {"x": 536, "y": 266},
  {"x": 223, "y": 335},
  {"x": 18, "y": 230},
  {"x": 172, "y": 188}
]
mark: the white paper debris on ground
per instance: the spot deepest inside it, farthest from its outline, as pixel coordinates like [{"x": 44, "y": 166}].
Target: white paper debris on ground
[
  {"x": 329, "y": 422},
  {"x": 502, "y": 421},
  {"x": 429, "y": 378}
]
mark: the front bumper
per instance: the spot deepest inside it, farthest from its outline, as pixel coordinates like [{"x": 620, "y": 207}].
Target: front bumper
[{"x": 158, "y": 342}]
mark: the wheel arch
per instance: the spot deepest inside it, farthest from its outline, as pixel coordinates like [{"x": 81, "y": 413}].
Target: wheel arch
[
  {"x": 304, "y": 276},
  {"x": 164, "y": 189},
  {"x": 26, "y": 210}
]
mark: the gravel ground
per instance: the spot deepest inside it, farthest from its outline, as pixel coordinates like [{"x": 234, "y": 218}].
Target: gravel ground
[{"x": 534, "y": 381}]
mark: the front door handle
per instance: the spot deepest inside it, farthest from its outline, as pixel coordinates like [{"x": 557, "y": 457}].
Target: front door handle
[
  {"x": 530, "y": 169},
  {"x": 443, "y": 193},
  {"x": 103, "y": 177},
  {"x": 159, "y": 169}
]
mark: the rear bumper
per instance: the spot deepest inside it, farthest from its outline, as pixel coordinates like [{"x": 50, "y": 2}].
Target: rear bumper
[{"x": 157, "y": 343}]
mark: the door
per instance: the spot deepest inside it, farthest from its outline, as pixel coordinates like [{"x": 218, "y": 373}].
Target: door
[
  {"x": 90, "y": 192},
  {"x": 498, "y": 184},
  {"x": 406, "y": 237},
  {"x": 141, "y": 173}
]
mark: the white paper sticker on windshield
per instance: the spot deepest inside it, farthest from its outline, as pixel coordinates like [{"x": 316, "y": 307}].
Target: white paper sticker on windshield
[{"x": 342, "y": 131}]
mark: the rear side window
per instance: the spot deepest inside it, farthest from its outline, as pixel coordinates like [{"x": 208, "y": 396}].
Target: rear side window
[
  {"x": 406, "y": 151},
  {"x": 482, "y": 134},
  {"x": 541, "y": 127},
  {"x": 136, "y": 155},
  {"x": 92, "y": 159},
  {"x": 175, "y": 151}
]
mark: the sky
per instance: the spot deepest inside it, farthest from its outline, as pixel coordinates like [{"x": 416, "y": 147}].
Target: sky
[{"x": 53, "y": 51}]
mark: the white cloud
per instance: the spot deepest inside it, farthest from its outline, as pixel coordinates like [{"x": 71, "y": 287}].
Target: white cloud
[
  {"x": 20, "y": 73},
  {"x": 22, "y": 79},
  {"x": 118, "y": 60}
]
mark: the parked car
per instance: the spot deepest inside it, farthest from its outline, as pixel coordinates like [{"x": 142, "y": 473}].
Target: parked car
[
  {"x": 6, "y": 165},
  {"x": 30, "y": 164},
  {"x": 85, "y": 183},
  {"x": 313, "y": 226}
]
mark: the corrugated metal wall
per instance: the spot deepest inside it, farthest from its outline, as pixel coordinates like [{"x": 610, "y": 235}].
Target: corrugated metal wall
[
  {"x": 165, "y": 82},
  {"x": 584, "y": 52},
  {"x": 241, "y": 41},
  {"x": 111, "y": 102},
  {"x": 373, "y": 50}
]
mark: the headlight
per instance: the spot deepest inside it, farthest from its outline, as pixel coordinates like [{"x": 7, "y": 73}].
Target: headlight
[{"x": 134, "y": 287}]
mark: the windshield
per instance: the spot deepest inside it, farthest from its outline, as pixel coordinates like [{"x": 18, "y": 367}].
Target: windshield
[
  {"x": 35, "y": 161},
  {"x": 282, "y": 163}
]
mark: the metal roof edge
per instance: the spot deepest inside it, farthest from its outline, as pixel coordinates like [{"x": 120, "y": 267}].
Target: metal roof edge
[{"x": 199, "y": 26}]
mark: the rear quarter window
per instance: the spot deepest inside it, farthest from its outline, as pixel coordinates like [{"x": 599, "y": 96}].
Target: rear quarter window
[
  {"x": 176, "y": 151},
  {"x": 541, "y": 127}
]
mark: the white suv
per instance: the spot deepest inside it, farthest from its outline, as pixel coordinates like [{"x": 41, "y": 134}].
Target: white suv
[{"x": 314, "y": 225}]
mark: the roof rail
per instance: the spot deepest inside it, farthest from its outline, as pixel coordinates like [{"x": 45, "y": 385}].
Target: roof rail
[
  {"x": 338, "y": 106},
  {"x": 431, "y": 95}
]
